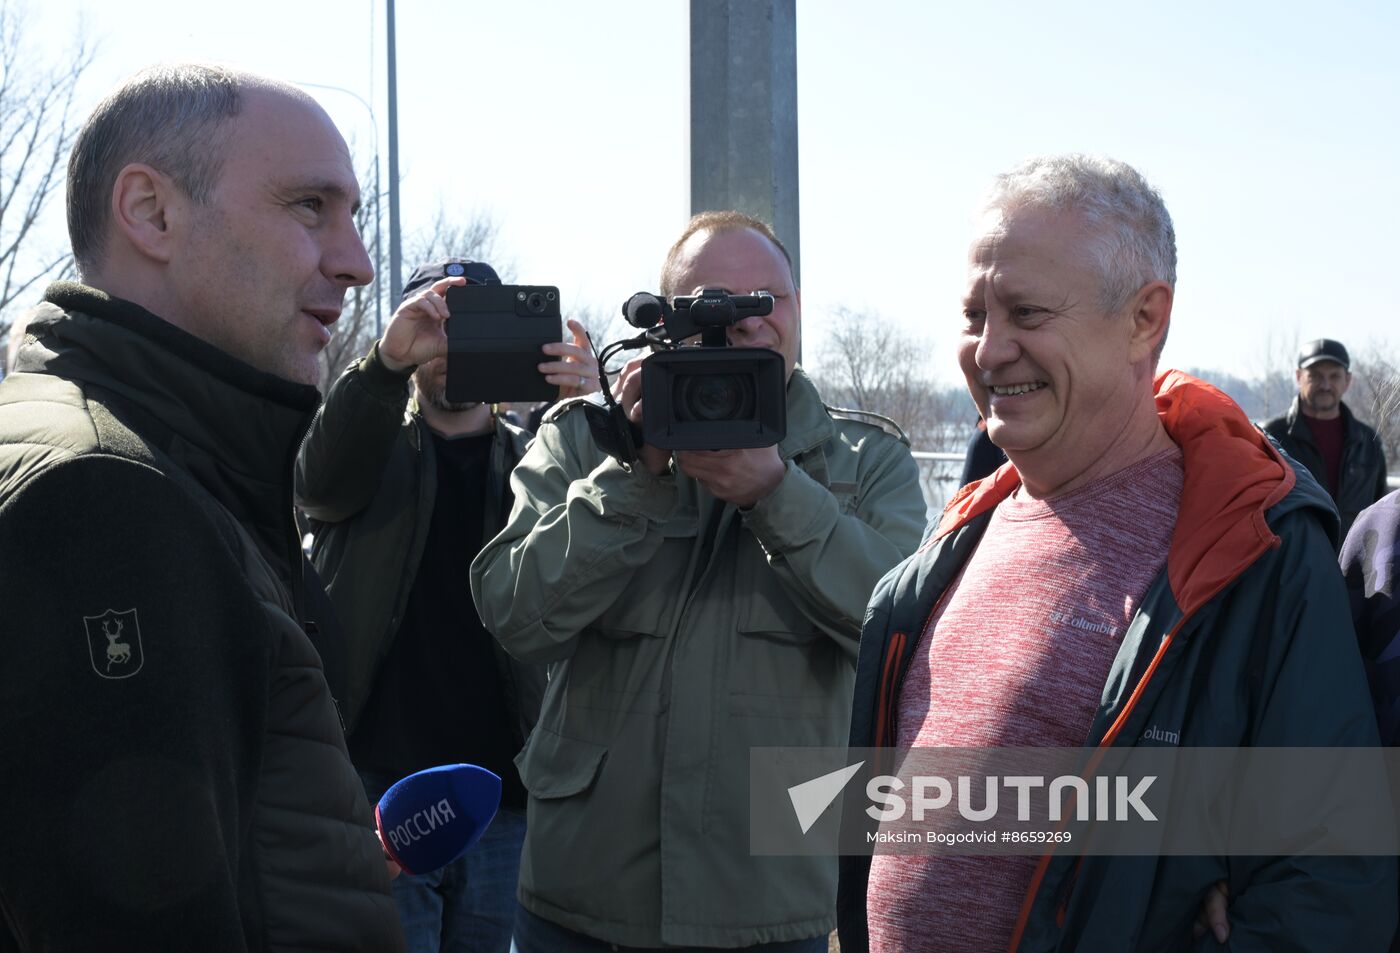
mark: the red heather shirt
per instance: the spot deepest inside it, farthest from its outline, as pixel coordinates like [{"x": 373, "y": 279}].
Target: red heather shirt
[{"x": 1016, "y": 655}]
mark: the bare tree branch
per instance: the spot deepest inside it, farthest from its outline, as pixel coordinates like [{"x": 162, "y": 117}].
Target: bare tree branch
[
  {"x": 1274, "y": 386},
  {"x": 37, "y": 128},
  {"x": 1374, "y": 395},
  {"x": 869, "y": 364},
  {"x": 454, "y": 234}
]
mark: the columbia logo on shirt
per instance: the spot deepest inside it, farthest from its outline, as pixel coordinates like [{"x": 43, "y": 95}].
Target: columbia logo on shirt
[{"x": 1079, "y": 622}]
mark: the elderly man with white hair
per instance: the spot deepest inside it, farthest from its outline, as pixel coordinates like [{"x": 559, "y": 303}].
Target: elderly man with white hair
[{"x": 1146, "y": 570}]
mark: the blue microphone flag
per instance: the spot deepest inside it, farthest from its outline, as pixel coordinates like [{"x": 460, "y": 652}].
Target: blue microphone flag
[{"x": 430, "y": 818}]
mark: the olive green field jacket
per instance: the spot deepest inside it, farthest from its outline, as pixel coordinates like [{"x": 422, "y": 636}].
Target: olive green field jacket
[{"x": 682, "y": 632}]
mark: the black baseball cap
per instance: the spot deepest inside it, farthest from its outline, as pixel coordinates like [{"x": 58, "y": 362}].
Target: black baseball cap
[
  {"x": 1323, "y": 349},
  {"x": 476, "y": 273}
]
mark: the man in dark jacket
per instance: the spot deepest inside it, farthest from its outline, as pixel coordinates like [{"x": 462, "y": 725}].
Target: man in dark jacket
[
  {"x": 1319, "y": 431},
  {"x": 175, "y": 773},
  {"x": 401, "y": 497},
  {"x": 1148, "y": 572},
  {"x": 983, "y": 457}
]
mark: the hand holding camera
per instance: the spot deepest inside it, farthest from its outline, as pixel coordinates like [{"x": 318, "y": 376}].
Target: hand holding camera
[
  {"x": 656, "y": 460},
  {"x": 738, "y": 476},
  {"x": 575, "y": 373},
  {"x": 708, "y": 396},
  {"x": 742, "y": 477},
  {"x": 415, "y": 334}
]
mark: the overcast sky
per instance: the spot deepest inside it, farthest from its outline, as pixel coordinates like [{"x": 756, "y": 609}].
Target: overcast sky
[{"x": 1270, "y": 129}]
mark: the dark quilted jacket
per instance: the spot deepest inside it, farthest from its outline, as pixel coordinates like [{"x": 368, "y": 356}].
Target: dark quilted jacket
[{"x": 175, "y": 773}]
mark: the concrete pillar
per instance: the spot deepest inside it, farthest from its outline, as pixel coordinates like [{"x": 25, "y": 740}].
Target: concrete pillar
[{"x": 743, "y": 112}]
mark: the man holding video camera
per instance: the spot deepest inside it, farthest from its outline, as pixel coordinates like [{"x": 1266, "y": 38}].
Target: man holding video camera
[
  {"x": 401, "y": 495},
  {"x": 692, "y": 605}
]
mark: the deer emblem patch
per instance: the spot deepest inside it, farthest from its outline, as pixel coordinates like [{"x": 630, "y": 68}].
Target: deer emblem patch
[{"x": 114, "y": 643}]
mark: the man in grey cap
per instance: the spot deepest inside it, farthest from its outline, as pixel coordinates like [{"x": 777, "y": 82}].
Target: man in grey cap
[
  {"x": 403, "y": 487},
  {"x": 1320, "y": 432}
]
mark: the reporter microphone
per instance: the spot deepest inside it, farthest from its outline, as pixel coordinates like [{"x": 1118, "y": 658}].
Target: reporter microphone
[{"x": 430, "y": 818}]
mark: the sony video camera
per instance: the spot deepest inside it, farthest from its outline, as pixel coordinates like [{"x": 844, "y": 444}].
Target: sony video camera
[{"x": 705, "y": 396}]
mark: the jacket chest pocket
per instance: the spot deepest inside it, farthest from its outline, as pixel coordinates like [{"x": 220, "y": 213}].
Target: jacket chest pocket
[
  {"x": 783, "y": 666},
  {"x": 767, "y": 610}
]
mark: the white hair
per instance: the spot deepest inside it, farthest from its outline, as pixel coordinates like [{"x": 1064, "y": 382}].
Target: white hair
[{"x": 1134, "y": 242}]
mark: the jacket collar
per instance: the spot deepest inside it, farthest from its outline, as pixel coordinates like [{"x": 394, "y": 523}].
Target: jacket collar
[
  {"x": 808, "y": 424},
  {"x": 1298, "y": 427},
  {"x": 1233, "y": 476},
  {"x": 235, "y": 428}
]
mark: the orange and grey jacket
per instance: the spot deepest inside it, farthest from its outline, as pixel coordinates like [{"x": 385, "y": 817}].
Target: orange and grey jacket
[{"x": 1244, "y": 639}]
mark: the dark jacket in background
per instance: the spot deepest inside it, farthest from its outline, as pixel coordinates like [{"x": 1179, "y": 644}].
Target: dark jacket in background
[
  {"x": 1243, "y": 640},
  {"x": 183, "y": 785},
  {"x": 1361, "y": 479},
  {"x": 983, "y": 456},
  {"x": 367, "y": 478}
]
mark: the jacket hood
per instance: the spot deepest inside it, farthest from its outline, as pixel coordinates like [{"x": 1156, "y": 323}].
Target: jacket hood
[{"x": 1235, "y": 481}]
